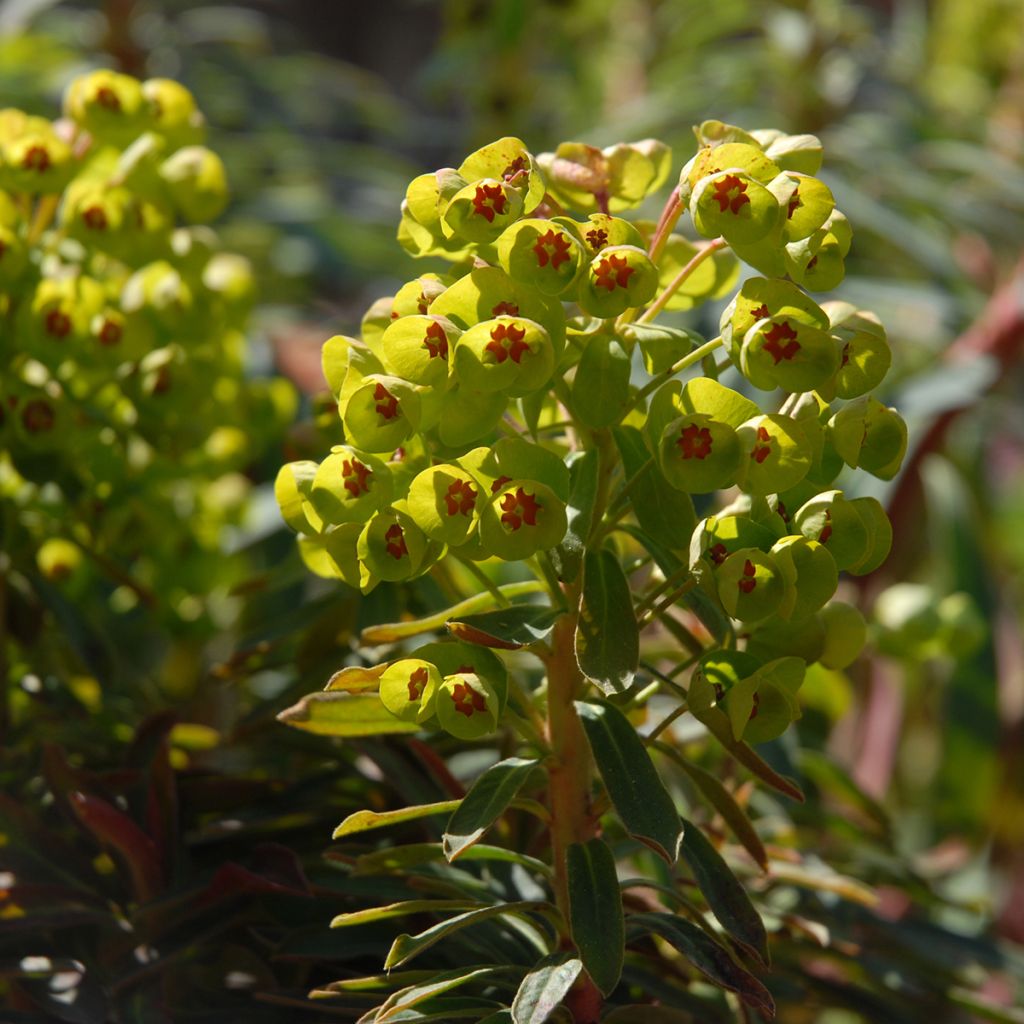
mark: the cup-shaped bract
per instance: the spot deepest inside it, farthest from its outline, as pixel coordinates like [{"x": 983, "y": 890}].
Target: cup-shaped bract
[
  {"x": 751, "y": 585},
  {"x": 36, "y": 161},
  {"x": 419, "y": 348},
  {"x": 510, "y": 354},
  {"x": 469, "y": 415},
  {"x": 507, "y": 160},
  {"x": 55, "y": 320},
  {"x": 783, "y": 352},
  {"x": 196, "y": 182},
  {"x": 699, "y": 454},
  {"x": 467, "y": 706},
  {"x": 444, "y": 500},
  {"x": 735, "y": 206},
  {"x": 409, "y": 689},
  {"x": 292, "y": 488},
  {"x": 380, "y": 413},
  {"x": 392, "y": 546},
  {"x": 718, "y": 536},
  {"x": 845, "y": 634},
  {"x": 349, "y": 486},
  {"x": 777, "y": 455},
  {"x": 618, "y": 278},
  {"x": 812, "y": 570},
  {"x": 107, "y": 104},
  {"x": 160, "y": 293},
  {"x": 865, "y": 356},
  {"x": 542, "y": 254},
  {"x": 172, "y": 112},
  {"x": 809, "y": 205},
  {"x": 522, "y": 517},
  {"x": 869, "y": 435},
  {"x": 835, "y": 523},
  {"x": 483, "y": 209}
]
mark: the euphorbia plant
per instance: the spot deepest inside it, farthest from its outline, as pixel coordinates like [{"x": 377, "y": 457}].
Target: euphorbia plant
[{"x": 642, "y": 533}]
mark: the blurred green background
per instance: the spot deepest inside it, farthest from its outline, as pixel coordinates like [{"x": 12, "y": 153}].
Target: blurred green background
[{"x": 323, "y": 112}]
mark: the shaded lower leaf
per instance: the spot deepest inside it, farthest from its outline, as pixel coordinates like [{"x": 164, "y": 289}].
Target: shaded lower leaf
[
  {"x": 718, "y": 726},
  {"x": 344, "y": 714},
  {"x": 406, "y": 998},
  {"x": 363, "y": 821},
  {"x": 595, "y": 912},
  {"x": 506, "y": 629},
  {"x": 544, "y": 988},
  {"x": 486, "y": 800},
  {"x": 405, "y": 947},
  {"x": 640, "y": 797},
  {"x": 607, "y": 638},
  {"x": 567, "y": 558},
  {"x": 708, "y": 956},
  {"x": 726, "y": 897}
]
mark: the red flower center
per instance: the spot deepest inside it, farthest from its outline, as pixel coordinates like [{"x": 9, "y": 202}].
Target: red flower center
[
  {"x": 507, "y": 343},
  {"x": 106, "y": 97},
  {"x": 553, "y": 248},
  {"x": 436, "y": 342},
  {"x": 36, "y": 158},
  {"x": 38, "y": 416},
  {"x": 58, "y": 323},
  {"x": 418, "y": 683},
  {"x": 505, "y": 309},
  {"x": 764, "y": 448},
  {"x": 597, "y": 239},
  {"x": 794, "y": 204},
  {"x": 387, "y": 404},
  {"x": 489, "y": 200},
  {"x": 612, "y": 271},
  {"x": 95, "y": 218},
  {"x": 110, "y": 333},
  {"x": 694, "y": 442},
  {"x": 460, "y": 498},
  {"x": 395, "y": 542},
  {"x": 519, "y": 508},
  {"x": 748, "y": 583},
  {"x": 774, "y": 339},
  {"x": 826, "y": 531},
  {"x": 466, "y": 700},
  {"x": 730, "y": 194},
  {"x": 356, "y": 477},
  {"x": 719, "y": 553},
  {"x": 760, "y": 312}
]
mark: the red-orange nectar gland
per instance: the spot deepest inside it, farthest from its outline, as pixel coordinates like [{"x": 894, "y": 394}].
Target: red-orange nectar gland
[
  {"x": 489, "y": 200},
  {"x": 763, "y": 448},
  {"x": 387, "y": 404},
  {"x": 730, "y": 194},
  {"x": 794, "y": 204},
  {"x": 395, "y": 542},
  {"x": 58, "y": 323},
  {"x": 694, "y": 442},
  {"x": 467, "y": 701},
  {"x": 36, "y": 158},
  {"x": 95, "y": 219},
  {"x": 597, "y": 239},
  {"x": 553, "y": 248},
  {"x": 106, "y": 97},
  {"x": 612, "y": 271},
  {"x": 748, "y": 582},
  {"x": 760, "y": 312},
  {"x": 519, "y": 508},
  {"x": 418, "y": 683},
  {"x": 460, "y": 498},
  {"x": 110, "y": 333},
  {"x": 436, "y": 342},
  {"x": 719, "y": 553},
  {"x": 356, "y": 477},
  {"x": 780, "y": 342},
  {"x": 505, "y": 309},
  {"x": 826, "y": 530},
  {"x": 507, "y": 343}
]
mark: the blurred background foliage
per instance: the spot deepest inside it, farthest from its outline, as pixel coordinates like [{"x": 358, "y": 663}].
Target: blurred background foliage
[{"x": 323, "y": 112}]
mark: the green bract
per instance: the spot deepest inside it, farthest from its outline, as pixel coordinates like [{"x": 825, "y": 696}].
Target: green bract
[{"x": 523, "y": 430}]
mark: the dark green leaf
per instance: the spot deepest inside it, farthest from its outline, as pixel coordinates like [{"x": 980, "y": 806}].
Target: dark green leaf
[
  {"x": 567, "y": 558},
  {"x": 506, "y": 629},
  {"x": 640, "y": 797},
  {"x": 486, "y": 800},
  {"x": 600, "y": 389},
  {"x": 344, "y": 714},
  {"x": 544, "y": 988},
  {"x": 401, "y": 910},
  {"x": 405, "y": 947},
  {"x": 595, "y": 912},
  {"x": 710, "y": 958},
  {"x": 607, "y": 638},
  {"x": 726, "y": 897},
  {"x": 661, "y": 510},
  {"x": 719, "y": 727},
  {"x": 410, "y": 996}
]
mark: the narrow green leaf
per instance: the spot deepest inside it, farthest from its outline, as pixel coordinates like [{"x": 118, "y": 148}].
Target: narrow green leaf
[
  {"x": 709, "y": 957},
  {"x": 405, "y": 947},
  {"x": 567, "y": 558},
  {"x": 406, "y": 998},
  {"x": 401, "y": 910},
  {"x": 398, "y": 858},
  {"x": 607, "y": 638},
  {"x": 664, "y": 512},
  {"x": 640, "y": 797},
  {"x": 725, "y": 803},
  {"x": 362, "y": 821},
  {"x": 486, "y": 800},
  {"x": 595, "y": 912},
  {"x": 390, "y": 632},
  {"x": 719, "y": 727},
  {"x": 344, "y": 714},
  {"x": 507, "y": 629},
  {"x": 544, "y": 988},
  {"x": 726, "y": 897}
]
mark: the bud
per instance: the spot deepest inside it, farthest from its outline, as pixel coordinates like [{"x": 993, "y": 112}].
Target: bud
[{"x": 845, "y": 634}]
